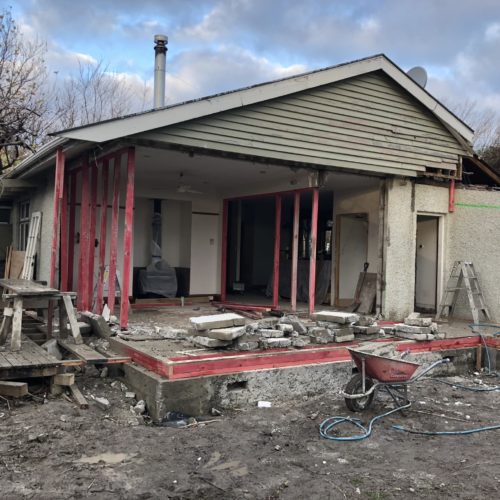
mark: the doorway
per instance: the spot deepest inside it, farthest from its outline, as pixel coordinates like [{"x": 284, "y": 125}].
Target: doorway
[
  {"x": 426, "y": 263},
  {"x": 352, "y": 253}
]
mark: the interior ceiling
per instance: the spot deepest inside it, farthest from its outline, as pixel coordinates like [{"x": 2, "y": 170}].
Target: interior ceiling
[{"x": 211, "y": 174}]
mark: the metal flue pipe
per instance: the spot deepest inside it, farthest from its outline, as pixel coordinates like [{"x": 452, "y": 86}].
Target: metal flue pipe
[{"x": 160, "y": 63}]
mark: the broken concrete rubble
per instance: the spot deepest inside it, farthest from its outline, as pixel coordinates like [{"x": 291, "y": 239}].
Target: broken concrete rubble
[
  {"x": 417, "y": 327},
  {"x": 274, "y": 342},
  {"x": 336, "y": 317},
  {"x": 230, "y": 333},
  {"x": 209, "y": 342},
  {"x": 211, "y": 322}
]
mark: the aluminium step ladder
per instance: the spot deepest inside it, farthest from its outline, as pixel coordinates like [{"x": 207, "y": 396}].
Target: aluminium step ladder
[{"x": 463, "y": 277}]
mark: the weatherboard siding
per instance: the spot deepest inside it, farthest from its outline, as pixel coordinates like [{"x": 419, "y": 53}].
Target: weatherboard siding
[{"x": 367, "y": 123}]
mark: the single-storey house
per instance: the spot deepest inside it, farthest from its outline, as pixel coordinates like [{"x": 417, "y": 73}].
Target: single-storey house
[{"x": 275, "y": 194}]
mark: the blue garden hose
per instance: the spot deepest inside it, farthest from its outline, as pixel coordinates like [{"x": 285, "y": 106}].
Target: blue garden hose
[
  {"x": 447, "y": 433},
  {"x": 330, "y": 423}
]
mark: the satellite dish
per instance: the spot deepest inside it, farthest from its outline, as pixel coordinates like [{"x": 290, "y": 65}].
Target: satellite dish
[{"x": 418, "y": 75}]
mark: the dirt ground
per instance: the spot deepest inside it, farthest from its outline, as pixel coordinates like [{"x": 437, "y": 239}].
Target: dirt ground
[{"x": 50, "y": 449}]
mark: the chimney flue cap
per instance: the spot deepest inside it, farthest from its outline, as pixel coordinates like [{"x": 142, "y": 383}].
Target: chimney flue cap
[{"x": 161, "y": 39}]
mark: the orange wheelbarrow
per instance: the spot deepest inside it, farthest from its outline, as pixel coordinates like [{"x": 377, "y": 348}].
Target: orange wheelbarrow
[{"x": 381, "y": 373}]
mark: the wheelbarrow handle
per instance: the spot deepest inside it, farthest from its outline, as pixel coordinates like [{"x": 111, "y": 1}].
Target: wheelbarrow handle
[{"x": 431, "y": 367}]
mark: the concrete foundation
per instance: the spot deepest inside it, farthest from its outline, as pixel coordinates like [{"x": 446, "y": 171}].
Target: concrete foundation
[{"x": 196, "y": 396}]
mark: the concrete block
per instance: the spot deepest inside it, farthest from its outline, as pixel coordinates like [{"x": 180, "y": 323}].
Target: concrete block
[
  {"x": 217, "y": 321},
  {"x": 285, "y": 328},
  {"x": 230, "y": 333},
  {"x": 298, "y": 325},
  {"x": 328, "y": 324},
  {"x": 344, "y": 338},
  {"x": 414, "y": 336},
  {"x": 301, "y": 341},
  {"x": 321, "y": 335},
  {"x": 267, "y": 333},
  {"x": 211, "y": 343},
  {"x": 418, "y": 330},
  {"x": 335, "y": 317},
  {"x": 274, "y": 342},
  {"x": 85, "y": 328},
  {"x": 417, "y": 321},
  {"x": 267, "y": 323},
  {"x": 365, "y": 321},
  {"x": 366, "y": 330},
  {"x": 248, "y": 346},
  {"x": 64, "y": 379}
]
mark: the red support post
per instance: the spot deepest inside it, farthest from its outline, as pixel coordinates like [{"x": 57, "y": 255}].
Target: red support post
[
  {"x": 83, "y": 264},
  {"x": 102, "y": 236},
  {"x": 63, "y": 266},
  {"x": 93, "y": 209},
  {"x": 58, "y": 193},
  {"x": 451, "y": 204},
  {"x": 312, "y": 259},
  {"x": 71, "y": 229},
  {"x": 127, "y": 238},
  {"x": 295, "y": 250},
  {"x": 223, "y": 279},
  {"x": 114, "y": 234},
  {"x": 277, "y": 245}
]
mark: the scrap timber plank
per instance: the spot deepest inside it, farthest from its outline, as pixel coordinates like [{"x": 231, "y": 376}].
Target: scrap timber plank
[
  {"x": 13, "y": 389},
  {"x": 89, "y": 355},
  {"x": 78, "y": 396}
]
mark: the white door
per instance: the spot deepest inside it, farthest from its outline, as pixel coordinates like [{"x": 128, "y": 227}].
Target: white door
[
  {"x": 426, "y": 263},
  {"x": 353, "y": 252},
  {"x": 204, "y": 254}
]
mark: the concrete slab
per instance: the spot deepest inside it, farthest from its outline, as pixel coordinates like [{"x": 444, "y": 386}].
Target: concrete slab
[
  {"x": 211, "y": 343},
  {"x": 213, "y": 321},
  {"x": 335, "y": 317},
  {"x": 230, "y": 333}
]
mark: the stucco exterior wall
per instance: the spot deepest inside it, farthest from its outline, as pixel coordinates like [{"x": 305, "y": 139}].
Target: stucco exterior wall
[
  {"x": 399, "y": 242},
  {"x": 474, "y": 235}
]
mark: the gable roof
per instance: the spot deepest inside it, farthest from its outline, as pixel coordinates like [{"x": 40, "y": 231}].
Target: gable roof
[{"x": 150, "y": 120}]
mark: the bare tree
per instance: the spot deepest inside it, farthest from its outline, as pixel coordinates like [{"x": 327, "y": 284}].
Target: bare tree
[
  {"x": 484, "y": 121},
  {"x": 23, "y": 103},
  {"x": 93, "y": 94}
]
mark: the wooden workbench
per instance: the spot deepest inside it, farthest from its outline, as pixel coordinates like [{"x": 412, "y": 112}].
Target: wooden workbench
[{"x": 16, "y": 291}]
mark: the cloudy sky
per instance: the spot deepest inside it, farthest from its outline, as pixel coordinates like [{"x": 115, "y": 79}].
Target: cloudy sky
[{"x": 217, "y": 45}]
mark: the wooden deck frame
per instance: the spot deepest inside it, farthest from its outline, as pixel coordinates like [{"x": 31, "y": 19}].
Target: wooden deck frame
[
  {"x": 102, "y": 235},
  {"x": 127, "y": 238}
]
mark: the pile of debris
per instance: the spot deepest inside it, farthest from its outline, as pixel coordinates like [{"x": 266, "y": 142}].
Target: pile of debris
[
  {"x": 230, "y": 330},
  {"x": 417, "y": 327}
]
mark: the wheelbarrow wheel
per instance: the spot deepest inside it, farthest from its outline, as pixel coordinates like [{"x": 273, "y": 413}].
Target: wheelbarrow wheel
[{"x": 355, "y": 386}]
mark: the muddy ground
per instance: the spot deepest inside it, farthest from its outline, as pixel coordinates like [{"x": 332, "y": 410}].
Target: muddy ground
[{"x": 54, "y": 450}]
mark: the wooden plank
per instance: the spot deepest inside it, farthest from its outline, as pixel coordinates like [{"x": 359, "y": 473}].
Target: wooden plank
[
  {"x": 67, "y": 303},
  {"x": 93, "y": 216},
  {"x": 295, "y": 250},
  {"x": 312, "y": 259},
  {"x": 56, "y": 213},
  {"x": 71, "y": 230},
  {"x": 17, "y": 323},
  {"x": 127, "y": 239},
  {"x": 13, "y": 389},
  {"x": 276, "y": 259},
  {"x": 16, "y": 263},
  {"x": 78, "y": 397},
  {"x": 83, "y": 290},
  {"x": 63, "y": 263},
  {"x": 27, "y": 288},
  {"x": 102, "y": 236},
  {"x": 114, "y": 235},
  {"x": 83, "y": 351}
]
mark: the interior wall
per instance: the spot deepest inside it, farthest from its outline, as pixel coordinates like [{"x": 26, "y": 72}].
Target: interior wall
[{"x": 364, "y": 200}]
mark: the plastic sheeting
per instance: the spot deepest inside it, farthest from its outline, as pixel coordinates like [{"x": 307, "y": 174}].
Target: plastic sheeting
[{"x": 159, "y": 279}]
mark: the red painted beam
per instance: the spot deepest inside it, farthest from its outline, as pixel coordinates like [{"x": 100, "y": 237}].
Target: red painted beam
[
  {"x": 312, "y": 259},
  {"x": 83, "y": 265},
  {"x": 127, "y": 238},
  {"x": 58, "y": 193},
  {"x": 63, "y": 265},
  {"x": 113, "y": 248},
  {"x": 223, "y": 268},
  {"x": 71, "y": 230},
  {"x": 102, "y": 236},
  {"x": 92, "y": 230},
  {"x": 295, "y": 251},
  {"x": 277, "y": 247}
]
